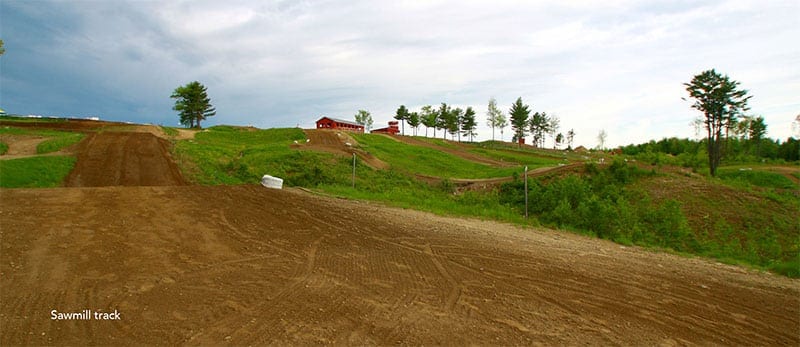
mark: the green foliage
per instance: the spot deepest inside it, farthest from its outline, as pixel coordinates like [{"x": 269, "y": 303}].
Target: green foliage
[
  {"x": 469, "y": 124},
  {"x": 764, "y": 179},
  {"x": 602, "y": 203},
  {"x": 193, "y": 104},
  {"x": 519, "y": 113},
  {"x": 720, "y": 100},
  {"x": 35, "y": 172},
  {"x": 402, "y": 115},
  {"x": 364, "y": 118},
  {"x": 3, "y": 148},
  {"x": 494, "y": 117}
]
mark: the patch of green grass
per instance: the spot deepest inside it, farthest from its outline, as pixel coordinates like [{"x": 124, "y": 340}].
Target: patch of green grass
[
  {"x": 436, "y": 141},
  {"x": 169, "y": 131},
  {"x": 55, "y": 144},
  {"x": 519, "y": 157},
  {"x": 230, "y": 155},
  {"x": 427, "y": 161},
  {"x": 57, "y": 139},
  {"x": 35, "y": 172},
  {"x": 757, "y": 178},
  {"x": 3, "y": 148}
]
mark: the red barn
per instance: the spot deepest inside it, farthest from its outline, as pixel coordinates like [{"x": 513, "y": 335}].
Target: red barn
[
  {"x": 339, "y": 124},
  {"x": 392, "y": 129}
]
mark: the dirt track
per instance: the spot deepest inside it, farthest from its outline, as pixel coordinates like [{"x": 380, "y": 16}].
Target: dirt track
[
  {"x": 336, "y": 142},
  {"x": 247, "y": 265},
  {"x": 124, "y": 159},
  {"x": 456, "y": 149}
]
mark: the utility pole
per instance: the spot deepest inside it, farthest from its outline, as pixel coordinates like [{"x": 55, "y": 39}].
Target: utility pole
[{"x": 526, "y": 192}]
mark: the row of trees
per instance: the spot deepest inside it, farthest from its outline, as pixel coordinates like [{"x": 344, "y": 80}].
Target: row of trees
[
  {"x": 539, "y": 125},
  {"x": 454, "y": 121},
  {"x": 462, "y": 122}
]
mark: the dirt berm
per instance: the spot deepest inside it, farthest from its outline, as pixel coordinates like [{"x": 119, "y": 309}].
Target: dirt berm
[
  {"x": 124, "y": 159},
  {"x": 244, "y": 265}
]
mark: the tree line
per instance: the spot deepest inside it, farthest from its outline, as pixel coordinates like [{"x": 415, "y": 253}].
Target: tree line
[{"x": 458, "y": 122}]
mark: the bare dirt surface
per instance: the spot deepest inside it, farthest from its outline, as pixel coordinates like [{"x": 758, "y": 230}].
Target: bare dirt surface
[
  {"x": 340, "y": 143},
  {"x": 244, "y": 265},
  {"x": 124, "y": 159},
  {"x": 20, "y": 146}
]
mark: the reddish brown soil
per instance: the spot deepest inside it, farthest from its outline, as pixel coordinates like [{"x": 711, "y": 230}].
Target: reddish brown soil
[
  {"x": 244, "y": 265},
  {"x": 124, "y": 159}
]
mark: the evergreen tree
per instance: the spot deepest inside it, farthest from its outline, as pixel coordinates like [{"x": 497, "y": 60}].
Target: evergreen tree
[
  {"x": 402, "y": 115},
  {"x": 519, "y": 113},
  {"x": 721, "y": 102},
  {"x": 469, "y": 124},
  {"x": 444, "y": 119},
  {"x": 193, "y": 104}
]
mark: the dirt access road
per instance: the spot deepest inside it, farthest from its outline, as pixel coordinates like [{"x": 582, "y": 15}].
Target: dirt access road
[{"x": 245, "y": 265}]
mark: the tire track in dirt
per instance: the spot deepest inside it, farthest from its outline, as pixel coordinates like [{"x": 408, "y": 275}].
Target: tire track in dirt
[
  {"x": 246, "y": 265},
  {"x": 124, "y": 159}
]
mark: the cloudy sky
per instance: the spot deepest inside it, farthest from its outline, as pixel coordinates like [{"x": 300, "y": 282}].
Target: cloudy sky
[{"x": 613, "y": 65}]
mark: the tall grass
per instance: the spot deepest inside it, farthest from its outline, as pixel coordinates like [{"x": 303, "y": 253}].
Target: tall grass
[
  {"x": 3, "y": 148},
  {"x": 750, "y": 177}
]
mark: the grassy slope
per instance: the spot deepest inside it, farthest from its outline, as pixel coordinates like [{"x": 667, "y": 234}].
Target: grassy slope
[
  {"x": 56, "y": 141},
  {"x": 427, "y": 161},
  {"x": 35, "y": 172},
  {"x": 38, "y": 172}
]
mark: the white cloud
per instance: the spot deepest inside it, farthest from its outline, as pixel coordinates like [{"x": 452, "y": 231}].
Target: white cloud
[{"x": 617, "y": 66}]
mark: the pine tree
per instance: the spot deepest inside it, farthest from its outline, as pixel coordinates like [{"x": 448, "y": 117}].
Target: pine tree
[
  {"x": 193, "y": 104},
  {"x": 519, "y": 113}
]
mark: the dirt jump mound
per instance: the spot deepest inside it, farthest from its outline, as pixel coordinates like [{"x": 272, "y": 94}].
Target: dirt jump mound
[{"x": 124, "y": 159}]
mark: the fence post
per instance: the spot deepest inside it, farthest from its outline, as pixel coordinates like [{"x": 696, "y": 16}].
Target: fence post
[
  {"x": 526, "y": 192},
  {"x": 354, "y": 170}
]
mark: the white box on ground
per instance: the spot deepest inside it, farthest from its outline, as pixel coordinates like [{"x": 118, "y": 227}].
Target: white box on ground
[{"x": 271, "y": 182}]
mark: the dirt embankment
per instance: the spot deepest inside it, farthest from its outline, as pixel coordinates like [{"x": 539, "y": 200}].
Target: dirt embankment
[
  {"x": 340, "y": 143},
  {"x": 124, "y": 159},
  {"x": 245, "y": 265}
]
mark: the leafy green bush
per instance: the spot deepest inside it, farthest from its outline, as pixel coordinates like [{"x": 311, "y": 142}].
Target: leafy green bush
[{"x": 3, "y": 148}]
